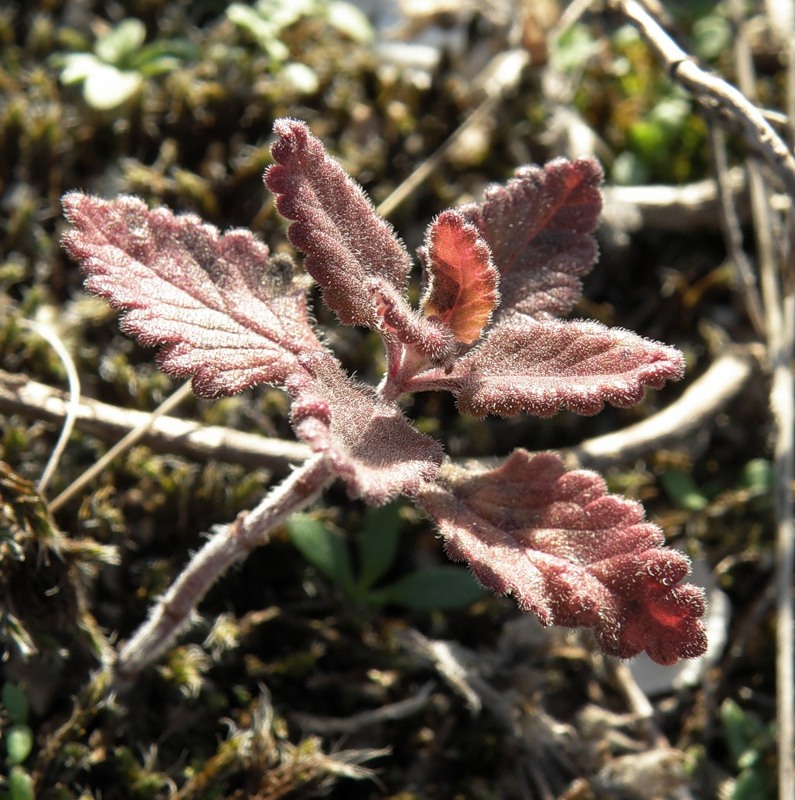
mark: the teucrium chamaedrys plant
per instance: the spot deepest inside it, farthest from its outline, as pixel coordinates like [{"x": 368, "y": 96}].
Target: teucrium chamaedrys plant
[{"x": 497, "y": 277}]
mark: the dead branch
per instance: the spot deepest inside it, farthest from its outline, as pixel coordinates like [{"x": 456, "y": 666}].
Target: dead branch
[
  {"x": 693, "y": 411},
  {"x": 21, "y": 395},
  {"x": 714, "y": 93},
  {"x": 689, "y": 207}
]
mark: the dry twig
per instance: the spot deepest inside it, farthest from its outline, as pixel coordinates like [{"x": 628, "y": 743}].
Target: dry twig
[
  {"x": 689, "y": 207},
  {"x": 21, "y": 395},
  {"x": 732, "y": 233},
  {"x": 780, "y": 351},
  {"x": 365, "y": 719},
  {"x": 694, "y": 410},
  {"x": 124, "y": 444},
  {"x": 49, "y": 335},
  {"x": 714, "y": 93},
  {"x": 737, "y": 107}
]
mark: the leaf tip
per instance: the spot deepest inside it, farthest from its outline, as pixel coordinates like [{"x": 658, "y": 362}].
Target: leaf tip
[{"x": 292, "y": 135}]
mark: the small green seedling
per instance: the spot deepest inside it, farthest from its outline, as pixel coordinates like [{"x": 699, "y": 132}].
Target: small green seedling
[
  {"x": 17, "y": 737},
  {"x": 754, "y": 486},
  {"x": 682, "y": 489},
  {"x": 426, "y": 589},
  {"x": 266, "y": 20},
  {"x": 752, "y": 747},
  {"x": 115, "y": 71}
]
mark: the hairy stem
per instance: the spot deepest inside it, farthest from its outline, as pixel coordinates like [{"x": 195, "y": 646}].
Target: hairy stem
[{"x": 229, "y": 544}]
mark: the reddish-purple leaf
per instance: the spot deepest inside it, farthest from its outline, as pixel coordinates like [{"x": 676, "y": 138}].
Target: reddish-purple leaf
[
  {"x": 400, "y": 322},
  {"x": 225, "y": 312},
  {"x": 230, "y": 315},
  {"x": 539, "y": 227},
  {"x": 335, "y": 224},
  {"x": 350, "y": 251},
  {"x": 542, "y": 366},
  {"x": 369, "y": 442},
  {"x": 571, "y": 554},
  {"x": 462, "y": 289}
]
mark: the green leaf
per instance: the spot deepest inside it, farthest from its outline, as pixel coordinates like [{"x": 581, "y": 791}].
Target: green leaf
[
  {"x": 20, "y": 785},
  {"x": 434, "y": 589},
  {"x": 348, "y": 19},
  {"x": 712, "y": 36},
  {"x": 572, "y": 50},
  {"x": 629, "y": 170},
  {"x": 107, "y": 87},
  {"x": 752, "y": 784},
  {"x": 741, "y": 729},
  {"x": 76, "y": 67},
  {"x": 682, "y": 489},
  {"x": 647, "y": 138},
  {"x": 323, "y": 548},
  {"x": 300, "y": 78},
  {"x": 15, "y": 702},
  {"x": 671, "y": 114},
  {"x": 19, "y": 743},
  {"x": 378, "y": 543},
  {"x": 158, "y": 58},
  {"x": 265, "y": 31},
  {"x": 758, "y": 476},
  {"x": 121, "y": 42}
]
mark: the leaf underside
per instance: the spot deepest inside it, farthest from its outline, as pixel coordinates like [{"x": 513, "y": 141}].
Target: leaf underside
[
  {"x": 354, "y": 255},
  {"x": 462, "y": 291},
  {"x": 369, "y": 442},
  {"x": 230, "y": 316},
  {"x": 347, "y": 245},
  {"x": 571, "y": 554}
]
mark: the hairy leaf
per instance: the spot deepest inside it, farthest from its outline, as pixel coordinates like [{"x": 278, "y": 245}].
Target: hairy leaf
[
  {"x": 462, "y": 291},
  {"x": 539, "y": 227},
  {"x": 543, "y": 366},
  {"x": 230, "y": 315},
  {"x": 571, "y": 554},
  {"x": 369, "y": 442},
  {"x": 350, "y": 251},
  {"x": 346, "y": 243},
  {"x": 225, "y": 312}
]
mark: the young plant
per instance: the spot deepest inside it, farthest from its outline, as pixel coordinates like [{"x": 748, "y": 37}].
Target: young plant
[
  {"x": 751, "y": 745},
  {"x": 116, "y": 70},
  {"x": 18, "y": 739},
  {"x": 425, "y": 589},
  {"x": 267, "y": 20},
  {"x": 497, "y": 275}
]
